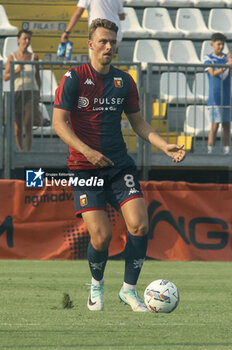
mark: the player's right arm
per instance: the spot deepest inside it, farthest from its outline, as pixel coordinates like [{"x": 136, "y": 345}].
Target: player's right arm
[{"x": 60, "y": 126}]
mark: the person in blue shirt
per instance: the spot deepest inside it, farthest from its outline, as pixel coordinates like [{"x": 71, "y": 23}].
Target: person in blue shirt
[{"x": 219, "y": 92}]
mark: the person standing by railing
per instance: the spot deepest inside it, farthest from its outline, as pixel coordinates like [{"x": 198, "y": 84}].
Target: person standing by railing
[
  {"x": 27, "y": 84},
  {"x": 219, "y": 101}
]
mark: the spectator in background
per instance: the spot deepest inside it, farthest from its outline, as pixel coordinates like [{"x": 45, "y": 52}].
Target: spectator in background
[
  {"x": 219, "y": 92},
  {"x": 27, "y": 85},
  {"x": 111, "y": 10}
]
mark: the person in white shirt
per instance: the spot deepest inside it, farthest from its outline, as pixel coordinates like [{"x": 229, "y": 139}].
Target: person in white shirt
[{"x": 111, "y": 10}]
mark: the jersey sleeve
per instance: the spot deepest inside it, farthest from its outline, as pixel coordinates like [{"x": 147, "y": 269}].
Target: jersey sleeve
[
  {"x": 132, "y": 100},
  {"x": 120, "y": 7},
  {"x": 83, "y": 3},
  {"x": 66, "y": 96}
]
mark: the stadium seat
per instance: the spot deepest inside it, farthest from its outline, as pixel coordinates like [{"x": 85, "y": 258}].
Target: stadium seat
[
  {"x": 10, "y": 45},
  {"x": 228, "y": 3},
  {"x": 201, "y": 87},
  {"x": 220, "y": 20},
  {"x": 206, "y": 49},
  {"x": 43, "y": 130},
  {"x": 5, "y": 27},
  {"x": 156, "y": 20},
  {"x": 131, "y": 27},
  {"x": 190, "y": 21},
  {"x": 197, "y": 120},
  {"x": 209, "y": 3},
  {"x": 148, "y": 51},
  {"x": 175, "y": 3},
  {"x": 182, "y": 51},
  {"x": 175, "y": 89},
  {"x": 48, "y": 85},
  {"x": 140, "y": 3}
]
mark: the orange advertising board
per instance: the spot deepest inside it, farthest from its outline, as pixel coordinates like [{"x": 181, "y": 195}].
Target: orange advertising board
[{"x": 187, "y": 222}]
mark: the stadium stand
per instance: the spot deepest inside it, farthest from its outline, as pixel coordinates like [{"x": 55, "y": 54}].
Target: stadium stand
[
  {"x": 131, "y": 27},
  {"x": 209, "y": 3},
  {"x": 5, "y": 27},
  {"x": 47, "y": 20},
  {"x": 148, "y": 51},
  {"x": 200, "y": 87},
  {"x": 182, "y": 51},
  {"x": 220, "y": 20},
  {"x": 48, "y": 85},
  {"x": 190, "y": 22},
  {"x": 140, "y": 3},
  {"x": 157, "y": 22},
  {"x": 174, "y": 88},
  {"x": 197, "y": 121},
  {"x": 175, "y": 3}
]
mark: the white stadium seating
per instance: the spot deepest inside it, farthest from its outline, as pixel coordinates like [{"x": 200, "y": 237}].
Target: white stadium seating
[
  {"x": 182, "y": 51},
  {"x": 175, "y": 3},
  {"x": 220, "y": 20},
  {"x": 190, "y": 21},
  {"x": 157, "y": 21},
  {"x": 148, "y": 51},
  {"x": 209, "y": 3},
  {"x": 48, "y": 85},
  {"x": 175, "y": 89},
  {"x": 197, "y": 122},
  {"x": 131, "y": 27},
  {"x": 140, "y": 3},
  {"x": 200, "y": 87},
  {"x": 5, "y": 27}
]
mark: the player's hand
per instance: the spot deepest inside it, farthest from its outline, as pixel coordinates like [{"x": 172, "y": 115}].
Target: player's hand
[
  {"x": 177, "y": 153},
  {"x": 98, "y": 159},
  {"x": 64, "y": 38}
]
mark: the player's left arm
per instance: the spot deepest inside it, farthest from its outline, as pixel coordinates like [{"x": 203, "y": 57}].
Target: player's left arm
[{"x": 145, "y": 131}]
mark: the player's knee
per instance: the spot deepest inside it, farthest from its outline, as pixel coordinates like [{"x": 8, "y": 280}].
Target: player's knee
[
  {"x": 139, "y": 229},
  {"x": 101, "y": 240}
]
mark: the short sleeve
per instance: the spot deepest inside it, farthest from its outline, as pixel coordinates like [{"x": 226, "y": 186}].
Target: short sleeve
[
  {"x": 83, "y": 3},
  {"x": 207, "y": 60},
  {"x": 66, "y": 96},
  {"x": 120, "y": 7},
  {"x": 132, "y": 100}
]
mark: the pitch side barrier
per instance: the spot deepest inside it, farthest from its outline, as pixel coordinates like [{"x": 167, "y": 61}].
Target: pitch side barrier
[
  {"x": 46, "y": 148},
  {"x": 175, "y": 102}
]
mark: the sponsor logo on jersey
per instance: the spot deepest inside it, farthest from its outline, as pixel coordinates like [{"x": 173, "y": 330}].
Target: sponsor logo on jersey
[
  {"x": 82, "y": 102},
  {"x": 68, "y": 74},
  {"x": 83, "y": 200},
  {"x": 89, "y": 82},
  {"x": 118, "y": 82}
]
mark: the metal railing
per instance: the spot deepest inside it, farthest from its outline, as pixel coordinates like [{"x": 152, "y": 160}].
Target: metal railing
[{"x": 172, "y": 97}]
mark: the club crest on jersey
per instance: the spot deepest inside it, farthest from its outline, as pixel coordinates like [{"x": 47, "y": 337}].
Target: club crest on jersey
[
  {"x": 118, "y": 82},
  {"x": 83, "y": 200}
]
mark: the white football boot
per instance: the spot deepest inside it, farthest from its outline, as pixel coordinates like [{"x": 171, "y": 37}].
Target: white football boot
[
  {"x": 96, "y": 297},
  {"x": 132, "y": 299}
]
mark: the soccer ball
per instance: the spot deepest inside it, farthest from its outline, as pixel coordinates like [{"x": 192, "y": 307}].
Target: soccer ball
[{"x": 161, "y": 296}]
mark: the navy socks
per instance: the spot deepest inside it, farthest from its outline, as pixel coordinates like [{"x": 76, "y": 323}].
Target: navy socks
[
  {"x": 135, "y": 253},
  {"x": 97, "y": 262}
]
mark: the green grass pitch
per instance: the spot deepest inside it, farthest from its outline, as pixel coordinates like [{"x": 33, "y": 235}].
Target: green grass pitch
[{"x": 32, "y": 315}]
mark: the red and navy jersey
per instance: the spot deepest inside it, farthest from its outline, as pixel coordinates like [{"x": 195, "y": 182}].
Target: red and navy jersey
[{"x": 96, "y": 103}]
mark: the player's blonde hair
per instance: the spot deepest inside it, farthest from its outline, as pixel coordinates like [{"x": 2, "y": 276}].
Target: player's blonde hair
[{"x": 101, "y": 23}]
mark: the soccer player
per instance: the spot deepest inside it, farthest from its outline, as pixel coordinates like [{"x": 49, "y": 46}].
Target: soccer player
[
  {"x": 92, "y": 97},
  {"x": 219, "y": 92}
]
